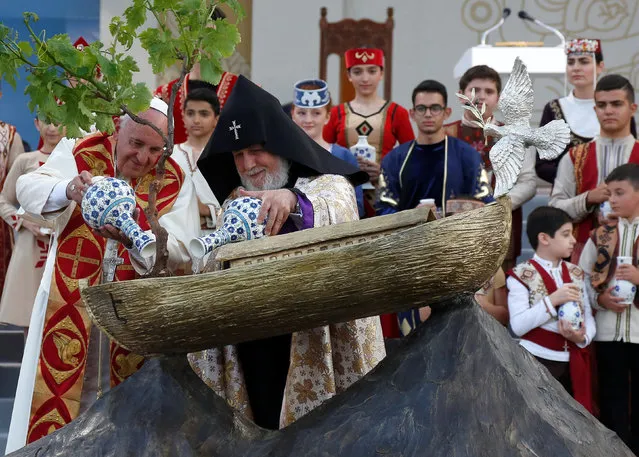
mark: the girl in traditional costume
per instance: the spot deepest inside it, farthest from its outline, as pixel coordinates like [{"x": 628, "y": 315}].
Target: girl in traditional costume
[
  {"x": 310, "y": 111},
  {"x": 584, "y": 64},
  {"x": 385, "y": 123}
]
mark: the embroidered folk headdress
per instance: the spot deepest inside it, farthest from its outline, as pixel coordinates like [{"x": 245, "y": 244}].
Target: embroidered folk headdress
[
  {"x": 311, "y": 98},
  {"x": 364, "y": 56}
]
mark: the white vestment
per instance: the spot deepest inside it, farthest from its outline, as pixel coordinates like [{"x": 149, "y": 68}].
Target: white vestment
[
  {"x": 185, "y": 157},
  {"x": 42, "y": 194}
]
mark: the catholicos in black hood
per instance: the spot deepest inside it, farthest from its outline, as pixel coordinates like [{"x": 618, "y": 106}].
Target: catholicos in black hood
[{"x": 252, "y": 116}]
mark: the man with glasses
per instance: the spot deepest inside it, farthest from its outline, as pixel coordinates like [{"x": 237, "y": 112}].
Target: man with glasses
[{"x": 434, "y": 166}]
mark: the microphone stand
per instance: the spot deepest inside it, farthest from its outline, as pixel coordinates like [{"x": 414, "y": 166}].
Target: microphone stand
[
  {"x": 527, "y": 17},
  {"x": 492, "y": 29},
  {"x": 484, "y": 35}
]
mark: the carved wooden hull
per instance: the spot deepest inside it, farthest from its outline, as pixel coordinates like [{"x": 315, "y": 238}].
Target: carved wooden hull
[{"x": 422, "y": 265}]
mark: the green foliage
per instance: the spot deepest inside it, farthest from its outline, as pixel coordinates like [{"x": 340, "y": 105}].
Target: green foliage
[{"x": 83, "y": 88}]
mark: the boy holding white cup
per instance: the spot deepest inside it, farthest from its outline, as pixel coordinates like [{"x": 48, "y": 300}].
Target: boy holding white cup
[
  {"x": 609, "y": 259},
  {"x": 543, "y": 292}
]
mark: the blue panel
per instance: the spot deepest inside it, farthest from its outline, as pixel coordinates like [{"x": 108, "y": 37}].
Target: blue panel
[
  {"x": 74, "y": 17},
  {"x": 68, "y": 9}
]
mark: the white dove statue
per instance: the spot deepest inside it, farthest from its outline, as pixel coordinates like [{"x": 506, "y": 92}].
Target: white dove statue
[{"x": 516, "y": 105}]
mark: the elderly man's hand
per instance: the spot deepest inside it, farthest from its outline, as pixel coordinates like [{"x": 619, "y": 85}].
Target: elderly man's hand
[
  {"x": 276, "y": 206},
  {"x": 78, "y": 186},
  {"x": 109, "y": 231}
]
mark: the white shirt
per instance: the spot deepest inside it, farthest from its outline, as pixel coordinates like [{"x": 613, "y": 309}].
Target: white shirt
[
  {"x": 579, "y": 114},
  {"x": 184, "y": 155},
  {"x": 613, "y": 326},
  {"x": 524, "y": 317}
]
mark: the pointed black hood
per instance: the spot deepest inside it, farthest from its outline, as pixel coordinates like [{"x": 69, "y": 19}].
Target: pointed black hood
[{"x": 253, "y": 116}]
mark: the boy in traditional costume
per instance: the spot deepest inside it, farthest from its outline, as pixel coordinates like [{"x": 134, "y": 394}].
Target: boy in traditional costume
[
  {"x": 617, "y": 321},
  {"x": 579, "y": 187},
  {"x": 201, "y": 111},
  {"x": 537, "y": 288},
  {"x": 584, "y": 65}
]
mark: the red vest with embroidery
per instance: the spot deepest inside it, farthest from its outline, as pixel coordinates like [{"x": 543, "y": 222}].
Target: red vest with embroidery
[
  {"x": 541, "y": 284},
  {"x": 584, "y": 159}
]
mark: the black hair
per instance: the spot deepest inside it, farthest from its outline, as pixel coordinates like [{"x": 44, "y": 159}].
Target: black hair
[
  {"x": 480, "y": 72},
  {"x": 204, "y": 95},
  {"x": 431, "y": 86},
  {"x": 626, "y": 172},
  {"x": 545, "y": 219},
  {"x": 616, "y": 82}
]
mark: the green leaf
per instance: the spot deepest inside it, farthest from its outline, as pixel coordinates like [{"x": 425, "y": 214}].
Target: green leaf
[
  {"x": 211, "y": 70},
  {"x": 108, "y": 68},
  {"x": 25, "y": 48},
  {"x": 193, "y": 5},
  {"x": 9, "y": 65},
  {"x": 161, "y": 6},
  {"x": 135, "y": 14},
  {"x": 51, "y": 62},
  {"x": 104, "y": 123},
  {"x": 161, "y": 47},
  {"x": 222, "y": 38},
  {"x": 62, "y": 50},
  {"x": 141, "y": 98}
]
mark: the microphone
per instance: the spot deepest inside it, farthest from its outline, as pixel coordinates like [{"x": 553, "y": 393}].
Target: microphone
[
  {"x": 505, "y": 13},
  {"x": 527, "y": 17}
]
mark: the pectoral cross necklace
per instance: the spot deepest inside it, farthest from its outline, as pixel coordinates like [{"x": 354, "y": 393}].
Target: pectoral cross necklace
[{"x": 111, "y": 260}]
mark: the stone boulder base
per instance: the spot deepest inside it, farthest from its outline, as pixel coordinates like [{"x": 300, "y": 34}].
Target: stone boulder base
[{"x": 459, "y": 386}]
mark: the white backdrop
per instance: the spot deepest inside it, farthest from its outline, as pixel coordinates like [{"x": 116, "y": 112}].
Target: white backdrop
[{"x": 430, "y": 36}]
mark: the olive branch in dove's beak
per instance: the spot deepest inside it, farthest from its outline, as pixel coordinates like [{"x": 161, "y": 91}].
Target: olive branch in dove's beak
[{"x": 468, "y": 103}]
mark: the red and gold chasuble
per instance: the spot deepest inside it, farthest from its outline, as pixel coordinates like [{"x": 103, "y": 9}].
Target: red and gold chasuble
[
  {"x": 65, "y": 341},
  {"x": 584, "y": 159},
  {"x": 224, "y": 88}
]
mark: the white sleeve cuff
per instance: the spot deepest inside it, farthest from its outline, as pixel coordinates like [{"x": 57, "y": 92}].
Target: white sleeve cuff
[
  {"x": 585, "y": 343},
  {"x": 58, "y": 197},
  {"x": 583, "y": 205},
  {"x": 551, "y": 309}
]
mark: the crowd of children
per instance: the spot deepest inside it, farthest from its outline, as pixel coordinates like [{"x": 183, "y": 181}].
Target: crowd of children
[{"x": 604, "y": 376}]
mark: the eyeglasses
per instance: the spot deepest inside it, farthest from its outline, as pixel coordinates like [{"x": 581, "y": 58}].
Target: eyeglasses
[{"x": 434, "y": 109}]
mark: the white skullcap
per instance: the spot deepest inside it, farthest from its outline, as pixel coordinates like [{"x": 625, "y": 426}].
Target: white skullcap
[{"x": 159, "y": 105}]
